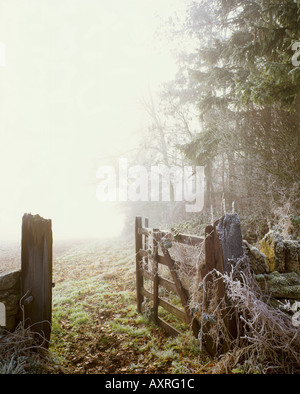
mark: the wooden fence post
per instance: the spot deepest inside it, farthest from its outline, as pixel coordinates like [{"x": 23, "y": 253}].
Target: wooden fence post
[
  {"x": 210, "y": 265},
  {"x": 230, "y": 235},
  {"x": 155, "y": 278},
  {"x": 36, "y": 274},
  {"x": 223, "y": 246},
  {"x": 209, "y": 252},
  {"x": 231, "y": 249},
  {"x": 139, "y": 277}
]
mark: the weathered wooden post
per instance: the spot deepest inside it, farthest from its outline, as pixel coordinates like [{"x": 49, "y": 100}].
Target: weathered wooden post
[
  {"x": 230, "y": 234},
  {"x": 155, "y": 276},
  {"x": 223, "y": 247},
  {"x": 231, "y": 242},
  {"x": 211, "y": 263},
  {"x": 36, "y": 276},
  {"x": 139, "y": 277}
]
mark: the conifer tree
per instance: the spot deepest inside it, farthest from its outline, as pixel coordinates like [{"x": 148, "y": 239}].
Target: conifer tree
[{"x": 247, "y": 90}]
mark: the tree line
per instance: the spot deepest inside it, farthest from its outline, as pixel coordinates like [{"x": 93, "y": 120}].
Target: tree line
[{"x": 234, "y": 108}]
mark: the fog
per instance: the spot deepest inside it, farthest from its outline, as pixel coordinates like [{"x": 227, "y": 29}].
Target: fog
[{"x": 70, "y": 89}]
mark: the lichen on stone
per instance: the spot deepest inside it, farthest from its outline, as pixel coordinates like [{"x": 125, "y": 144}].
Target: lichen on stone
[
  {"x": 272, "y": 247},
  {"x": 281, "y": 285}
]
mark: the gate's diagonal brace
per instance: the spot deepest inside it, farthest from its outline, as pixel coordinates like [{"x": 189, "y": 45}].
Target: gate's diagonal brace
[{"x": 180, "y": 289}]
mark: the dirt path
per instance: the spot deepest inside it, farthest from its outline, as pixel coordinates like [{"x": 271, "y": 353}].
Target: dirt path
[{"x": 96, "y": 328}]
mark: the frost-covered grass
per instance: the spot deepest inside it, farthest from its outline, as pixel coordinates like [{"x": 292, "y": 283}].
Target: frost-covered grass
[{"x": 96, "y": 327}]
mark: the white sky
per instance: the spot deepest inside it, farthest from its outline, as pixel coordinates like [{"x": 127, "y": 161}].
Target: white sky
[{"x": 69, "y": 96}]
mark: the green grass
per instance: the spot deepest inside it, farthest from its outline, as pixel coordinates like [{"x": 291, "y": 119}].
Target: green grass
[
  {"x": 125, "y": 328},
  {"x": 94, "y": 312}
]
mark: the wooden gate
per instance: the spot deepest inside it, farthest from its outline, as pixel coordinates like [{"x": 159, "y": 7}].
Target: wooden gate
[
  {"x": 223, "y": 245},
  {"x": 150, "y": 243}
]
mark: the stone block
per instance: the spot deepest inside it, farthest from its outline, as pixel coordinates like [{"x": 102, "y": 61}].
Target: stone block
[
  {"x": 292, "y": 256},
  {"x": 257, "y": 259},
  {"x": 272, "y": 247},
  {"x": 9, "y": 279},
  {"x": 281, "y": 285}
]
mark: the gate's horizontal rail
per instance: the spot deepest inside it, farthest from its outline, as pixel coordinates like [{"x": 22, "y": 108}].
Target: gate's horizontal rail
[
  {"x": 192, "y": 240},
  {"x": 160, "y": 259},
  {"x": 167, "y": 327},
  {"x": 168, "y": 285},
  {"x": 167, "y": 306},
  {"x": 174, "y": 310}
]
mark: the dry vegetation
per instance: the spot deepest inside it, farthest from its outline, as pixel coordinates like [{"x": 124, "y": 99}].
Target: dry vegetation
[
  {"x": 267, "y": 341},
  {"x": 22, "y": 352}
]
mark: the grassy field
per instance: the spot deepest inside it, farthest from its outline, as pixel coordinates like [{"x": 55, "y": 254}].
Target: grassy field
[{"x": 96, "y": 328}]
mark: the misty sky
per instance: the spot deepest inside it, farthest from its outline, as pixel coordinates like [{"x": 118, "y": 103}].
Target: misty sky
[{"x": 69, "y": 96}]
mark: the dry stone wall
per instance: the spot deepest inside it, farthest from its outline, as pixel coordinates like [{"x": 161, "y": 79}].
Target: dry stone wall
[
  {"x": 276, "y": 263},
  {"x": 281, "y": 255},
  {"x": 10, "y": 294}
]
